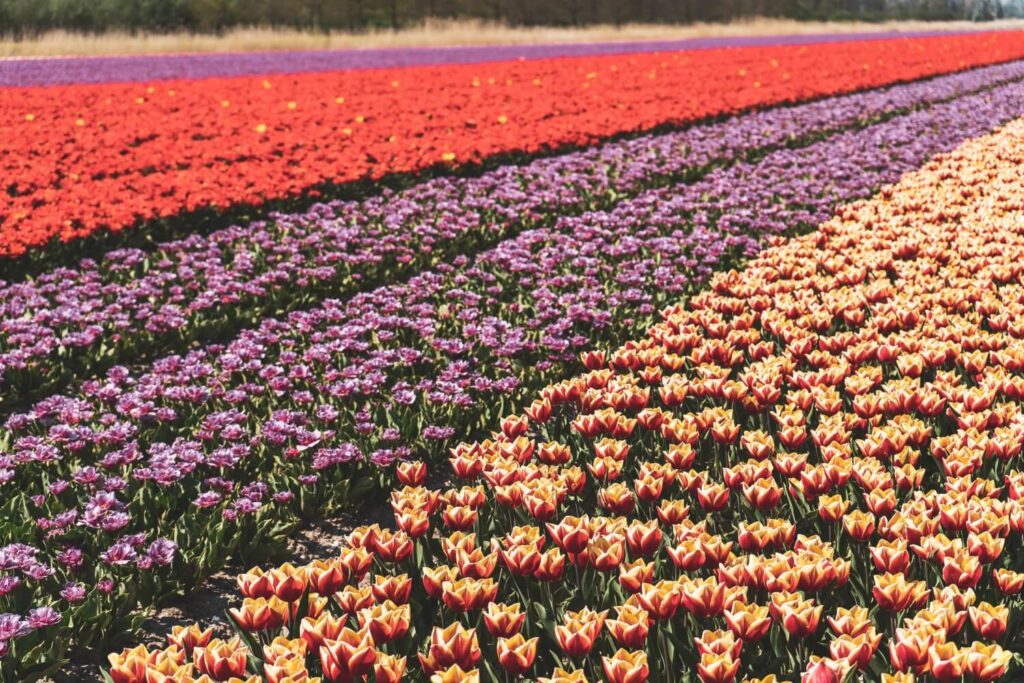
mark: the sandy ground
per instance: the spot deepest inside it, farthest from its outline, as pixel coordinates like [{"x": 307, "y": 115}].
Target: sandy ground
[{"x": 448, "y": 33}]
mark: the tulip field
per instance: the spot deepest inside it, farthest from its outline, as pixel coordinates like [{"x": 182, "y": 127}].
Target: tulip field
[{"x": 662, "y": 363}]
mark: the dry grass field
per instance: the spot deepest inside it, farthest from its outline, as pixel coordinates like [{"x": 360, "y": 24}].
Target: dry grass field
[{"x": 442, "y": 33}]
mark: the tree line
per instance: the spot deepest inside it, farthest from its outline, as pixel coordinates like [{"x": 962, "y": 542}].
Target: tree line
[{"x": 29, "y": 17}]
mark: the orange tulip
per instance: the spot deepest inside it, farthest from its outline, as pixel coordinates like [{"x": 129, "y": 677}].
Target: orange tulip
[
  {"x": 386, "y": 622},
  {"x": 800, "y": 619},
  {"x": 503, "y": 621},
  {"x": 717, "y": 668},
  {"x": 855, "y": 650},
  {"x": 129, "y": 666},
  {"x": 947, "y": 662},
  {"x": 560, "y": 675},
  {"x": 626, "y": 667},
  {"x": 748, "y": 622},
  {"x": 551, "y": 565},
  {"x": 261, "y": 614},
  {"x": 987, "y": 662},
  {"x": 220, "y": 659},
  {"x": 633, "y": 575},
  {"x": 454, "y": 644},
  {"x": 455, "y": 674},
  {"x": 352, "y": 599},
  {"x": 516, "y": 654},
  {"x": 411, "y": 472},
  {"x": 629, "y": 627},
  {"x": 989, "y": 621},
  {"x": 577, "y": 635},
  {"x": 388, "y": 668},
  {"x": 189, "y": 638}
]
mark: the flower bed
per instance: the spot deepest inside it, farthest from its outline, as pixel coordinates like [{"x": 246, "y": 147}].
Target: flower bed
[
  {"x": 86, "y": 158},
  {"x": 21, "y": 72},
  {"x": 811, "y": 468},
  {"x": 74, "y": 322},
  {"x": 216, "y": 449}
]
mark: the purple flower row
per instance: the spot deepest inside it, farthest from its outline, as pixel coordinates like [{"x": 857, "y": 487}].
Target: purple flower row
[
  {"x": 70, "y": 321},
  {"x": 30, "y": 72},
  {"x": 295, "y": 408}
]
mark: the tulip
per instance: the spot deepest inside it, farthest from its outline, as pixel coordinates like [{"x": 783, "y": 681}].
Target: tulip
[
  {"x": 851, "y": 621},
  {"x": 393, "y": 547},
  {"x": 261, "y": 614},
  {"x": 748, "y": 622},
  {"x": 503, "y": 621},
  {"x": 466, "y": 595},
  {"x": 572, "y": 534},
  {"x": 987, "y": 662},
  {"x": 577, "y": 635},
  {"x": 189, "y": 638},
  {"x": 989, "y": 621},
  {"x": 891, "y": 557},
  {"x": 129, "y": 666},
  {"x": 411, "y": 472},
  {"x": 388, "y": 668},
  {"x": 717, "y": 668},
  {"x": 606, "y": 554},
  {"x": 661, "y": 600},
  {"x": 823, "y": 671},
  {"x": 855, "y": 650},
  {"x": 764, "y": 494},
  {"x": 626, "y": 667},
  {"x": 286, "y": 667},
  {"x": 643, "y": 539},
  {"x": 688, "y": 555},
  {"x": 962, "y": 570},
  {"x": 220, "y": 659},
  {"x": 394, "y": 588},
  {"x": 560, "y": 675},
  {"x": 718, "y": 643},
  {"x": 352, "y": 599},
  {"x": 454, "y": 644},
  {"x": 630, "y": 627},
  {"x": 703, "y": 597},
  {"x": 551, "y": 565},
  {"x": 521, "y": 560},
  {"x": 357, "y": 561},
  {"x": 1008, "y": 581},
  {"x": 516, "y": 654},
  {"x": 386, "y": 622},
  {"x": 947, "y": 662},
  {"x": 672, "y": 511},
  {"x": 712, "y": 497},
  {"x": 455, "y": 674},
  {"x": 633, "y": 575},
  {"x": 859, "y": 524},
  {"x": 894, "y": 593},
  {"x": 899, "y": 677},
  {"x": 326, "y": 577},
  {"x": 616, "y": 498},
  {"x": 800, "y": 619},
  {"x": 475, "y": 564}
]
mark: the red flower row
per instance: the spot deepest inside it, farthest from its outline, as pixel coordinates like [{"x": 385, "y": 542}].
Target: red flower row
[{"x": 81, "y": 158}]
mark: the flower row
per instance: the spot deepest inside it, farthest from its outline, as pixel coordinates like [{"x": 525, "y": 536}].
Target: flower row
[
  {"x": 810, "y": 469},
  {"x": 73, "y": 322},
  {"x": 221, "y": 444},
  {"x": 83, "y": 158},
  {"x": 145, "y": 68}
]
